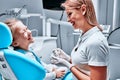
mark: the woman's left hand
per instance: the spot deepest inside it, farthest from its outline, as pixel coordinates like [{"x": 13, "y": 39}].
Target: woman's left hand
[{"x": 56, "y": 60}]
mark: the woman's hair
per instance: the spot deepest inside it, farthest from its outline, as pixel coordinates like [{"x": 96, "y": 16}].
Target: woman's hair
[{"x": 90, "y": 11}]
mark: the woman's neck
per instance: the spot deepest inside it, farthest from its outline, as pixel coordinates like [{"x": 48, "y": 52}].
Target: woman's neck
[{"x": 86, "y": 28}]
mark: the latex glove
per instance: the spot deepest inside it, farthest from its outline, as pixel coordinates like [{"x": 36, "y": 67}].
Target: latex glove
[
  {"x": 61, "y": 54},
  {"x": 56, "y": 60}
]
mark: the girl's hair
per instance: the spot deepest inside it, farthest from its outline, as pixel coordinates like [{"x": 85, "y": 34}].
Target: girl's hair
[
  {"x": 90, "y": 11},
  {"x": 12, "y": 25}
]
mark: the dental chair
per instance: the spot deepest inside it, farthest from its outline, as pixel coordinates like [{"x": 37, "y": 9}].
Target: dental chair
[
  {"x": 114, "y": 64},
  {"x": 114, "y": 55},
  {"x": 14, "y": 65},
  {"x": 114, "y": 37}
]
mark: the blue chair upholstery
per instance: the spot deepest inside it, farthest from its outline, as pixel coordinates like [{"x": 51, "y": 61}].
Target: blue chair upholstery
[
  {"x": 5, "y": 36},
  {"x": 68, "y": 76},
  {"x": 14, "y": 65}
]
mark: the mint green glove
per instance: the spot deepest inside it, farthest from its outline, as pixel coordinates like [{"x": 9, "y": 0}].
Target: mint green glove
[
  {"x": 57, "y": 60},
  {"x": 61, "y": 54}
]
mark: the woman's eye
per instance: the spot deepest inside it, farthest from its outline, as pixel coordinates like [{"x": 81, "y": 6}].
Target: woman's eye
[{"x": 69, "y": 14}]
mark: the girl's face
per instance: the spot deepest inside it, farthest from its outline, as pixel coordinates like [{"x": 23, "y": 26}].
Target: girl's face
[{"x": 23, "y": 36}]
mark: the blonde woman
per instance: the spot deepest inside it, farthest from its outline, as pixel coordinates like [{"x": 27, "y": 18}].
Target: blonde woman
[{"x": 88, "y": 60}]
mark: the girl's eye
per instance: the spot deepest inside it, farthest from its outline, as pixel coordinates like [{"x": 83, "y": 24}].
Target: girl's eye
[{"x": 26, "y": 28}]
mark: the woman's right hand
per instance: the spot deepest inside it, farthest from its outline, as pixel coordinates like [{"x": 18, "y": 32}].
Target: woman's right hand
[{"x": 61, "y": 54}]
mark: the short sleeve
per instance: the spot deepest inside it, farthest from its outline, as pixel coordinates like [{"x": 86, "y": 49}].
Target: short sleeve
[{"x": 97, "y": 54}]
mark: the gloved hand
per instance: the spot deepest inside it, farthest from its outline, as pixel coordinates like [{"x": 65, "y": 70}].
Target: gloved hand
[
  {"x": 61, "y": 54},
  {"x": 56, "y": 60}
]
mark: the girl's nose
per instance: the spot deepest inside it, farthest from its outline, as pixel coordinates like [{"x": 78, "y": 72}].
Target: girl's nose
[{"x": 29, "y": 31}]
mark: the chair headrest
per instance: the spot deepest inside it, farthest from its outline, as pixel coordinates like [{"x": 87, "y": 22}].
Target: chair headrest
[{"x": 5, "y": 36}]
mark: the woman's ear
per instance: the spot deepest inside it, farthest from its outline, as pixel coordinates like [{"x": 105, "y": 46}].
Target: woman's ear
[
  {"x": 83, "y": 9},
  {"x": 15, "y": 44}
]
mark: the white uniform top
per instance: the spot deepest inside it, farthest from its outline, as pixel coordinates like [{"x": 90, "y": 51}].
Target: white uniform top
[{"x": 91, "y": 49}]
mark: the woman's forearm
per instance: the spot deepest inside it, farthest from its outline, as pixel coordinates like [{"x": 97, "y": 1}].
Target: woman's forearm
[{"x": 78, "y": 74}]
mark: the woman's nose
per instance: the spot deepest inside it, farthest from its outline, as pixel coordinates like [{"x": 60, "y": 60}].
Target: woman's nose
[{"x": 68, "y": 19}]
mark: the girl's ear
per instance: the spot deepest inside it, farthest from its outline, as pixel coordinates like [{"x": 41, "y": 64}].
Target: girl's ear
[
  {"x": 15, "y": 44},
  {"x": 83, "y": 9}
]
